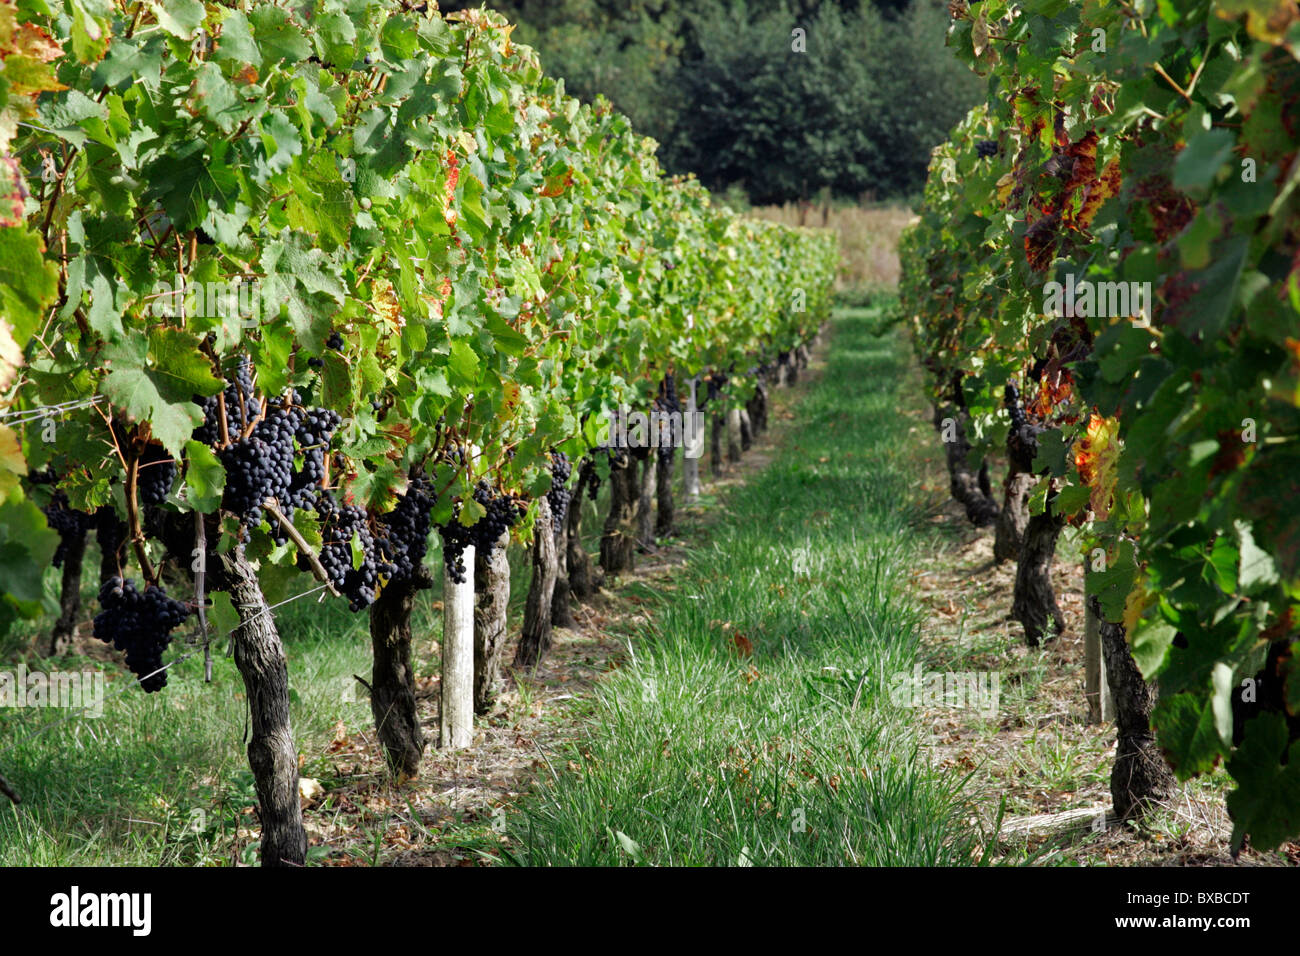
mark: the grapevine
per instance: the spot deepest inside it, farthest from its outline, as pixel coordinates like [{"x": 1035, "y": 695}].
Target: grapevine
[{"x": 1113, "y": 226}]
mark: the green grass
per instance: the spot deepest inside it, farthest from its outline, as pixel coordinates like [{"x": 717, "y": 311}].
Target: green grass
[
  {"x": 696, "y": 755},
  {"x": 162, "y": 778}
]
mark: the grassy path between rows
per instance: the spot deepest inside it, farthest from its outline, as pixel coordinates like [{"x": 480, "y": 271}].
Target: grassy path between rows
[{"x": 751, "y": 722}]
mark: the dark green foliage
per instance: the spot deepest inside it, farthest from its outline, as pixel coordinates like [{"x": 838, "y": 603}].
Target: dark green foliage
[{"x": 719, "y": 84}]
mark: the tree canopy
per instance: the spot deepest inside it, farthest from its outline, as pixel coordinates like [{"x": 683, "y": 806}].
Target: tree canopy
[{"x": 735, "y": 93}]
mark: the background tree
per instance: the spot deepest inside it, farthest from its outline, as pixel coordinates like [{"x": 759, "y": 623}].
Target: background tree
[{"x": 718, "y": 84}]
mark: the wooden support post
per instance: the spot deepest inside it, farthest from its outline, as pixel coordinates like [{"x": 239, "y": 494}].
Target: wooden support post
[
  {"x": 733, "y": 436},
  {"x": 693, "y": 443},
  {"x": 456, "y": 730},
  {"x": 1096, "y": 690}
]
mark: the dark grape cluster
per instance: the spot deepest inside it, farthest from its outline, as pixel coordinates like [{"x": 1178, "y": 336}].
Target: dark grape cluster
[
  {"x": 559, "y": 496},
  {"x": 236, "y": 420},
  {"x": 256, "y": 470},
  {"x": 406, "y": 528},
  {"x": 455, "y": 538},
  {"x": 316, "y": 428},
  {"x": 986, "y": 148},
  {"x": 666, "y": 403},
  {"x": 278, "y": 429},
  {"x": 339, "y": 524},
  {"x": 502, "y": 512},
  {"x": 454, "y": 455},
  {"x": 335, "y": 342},
  {"x": 157, "y": 472},
  {"x": 587, "y": 468},
  {"x": 67, "y": 522},
  {"x": 261, "y": 466},
  {"x": 139, "y": 623},
  {"x": 718, "y": 379},
  {"x": 1011, "y": 396},
  {"x": 668, "y": 394}
]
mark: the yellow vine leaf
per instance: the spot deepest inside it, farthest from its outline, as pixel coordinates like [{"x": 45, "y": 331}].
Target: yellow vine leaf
[
  {"x": 1096, "y": 456},
  {"x": 384, "y": 299},
  {"x": 1005, "y": 185},
  {"x": 11, "y": 355},
  {"x": 1134, "y": 605}
]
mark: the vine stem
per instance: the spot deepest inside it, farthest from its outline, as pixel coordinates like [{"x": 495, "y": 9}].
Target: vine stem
[
  {"x": 272, "y": 507},
  {"x": 201, "y": 541},
  {"x": 1170, "y": 80},
  {"x": 243, "y": 410},
  {"x": 221, "y": 414},
  {"x": 132, "y": 512},
  {"x": 54, "y": 198},
  {"x": 135, "y": 20},
  {"x": 133, "y": 520}
]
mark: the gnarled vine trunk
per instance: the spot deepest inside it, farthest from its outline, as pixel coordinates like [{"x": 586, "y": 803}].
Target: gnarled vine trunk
[
  {"x": 1014, "y": 516},
  {"x": 965, "y": 485},
  {"x": 618, "y": 542},
  {"x": 665, "y": 460},
  {"x": 791, "y": 369},
  {"x": 536, "y": 638},
  {"x": 576, "y": 560},
  {"x": 757, "y": 407},
  {"x": 715, "y": 444},
  {"x": 1034, "y": 602},
  {"x": 561, "y": 612},
  {"x": 645, "y": 506},
  {"x": 271, "y": 752},
  {"x": 1140, "y": 776},
  {"x": 65, "y": 628},
  {"x": 392, "y": 678},
  {"x": 491, "y": 607}
]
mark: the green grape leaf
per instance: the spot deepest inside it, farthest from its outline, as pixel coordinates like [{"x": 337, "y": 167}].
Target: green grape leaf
[
  {"x": 1188, "y": 734},
  {"x": 180, "y": 18},
  {"x": 1203, "y": 158},
  {"x": 133, "y": 390},
  {"x": 278, "y": 37},
  {"x": 27, "y": 281},
  {"x": 205, "y": 479},
  {"x": 470, "y": 512},
  {"x": 222, "y": 616},
  {"x": 1266, "y": 801},
  {"x": 178, "y": 367}
]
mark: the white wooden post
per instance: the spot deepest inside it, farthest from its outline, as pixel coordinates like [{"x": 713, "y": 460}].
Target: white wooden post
[
  {"x": 693, "y": 442},
  {"x": 1096, "y": 689},
  {"x": 457, "y": 725}
]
